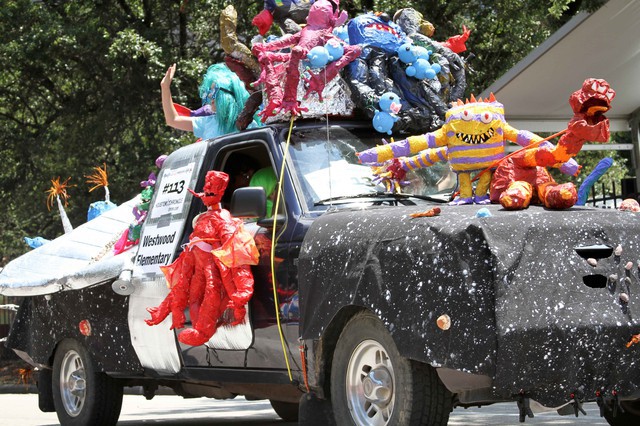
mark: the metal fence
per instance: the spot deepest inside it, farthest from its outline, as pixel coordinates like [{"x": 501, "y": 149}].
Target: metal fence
[{"x": 611, "y": 199}]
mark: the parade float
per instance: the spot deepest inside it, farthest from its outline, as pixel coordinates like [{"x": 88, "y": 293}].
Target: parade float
[{"x": 370, "y": 299}]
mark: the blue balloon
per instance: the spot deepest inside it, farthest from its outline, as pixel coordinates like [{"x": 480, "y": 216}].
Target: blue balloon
[
  {"x": 383, "y": 122},
  {"x": 421, "y": 53},
  {"x": 335, "y": 49},
  {"x": 436, "y": 67},
  {"x": 342, "y": 33},
  {"x": 406, "y": 53},
  {"x": 430, "y": 74},
  {"x": 390, "y": 101},
  {"x": 411, "y": 71},
  {"x": 422, "y": 66},
  {"x": 318, "y": 57}
]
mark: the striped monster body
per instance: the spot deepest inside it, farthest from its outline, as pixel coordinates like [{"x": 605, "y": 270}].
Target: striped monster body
[{"x": 471, "y": 139}]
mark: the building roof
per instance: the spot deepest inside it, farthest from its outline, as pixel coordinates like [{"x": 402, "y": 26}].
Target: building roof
[{"x": 604, "y": 44}]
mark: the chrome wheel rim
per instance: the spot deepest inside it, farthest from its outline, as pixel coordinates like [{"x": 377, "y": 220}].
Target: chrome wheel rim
[
  {"x": 370, "y": 384},
  {"x": 73, "y": 383}
]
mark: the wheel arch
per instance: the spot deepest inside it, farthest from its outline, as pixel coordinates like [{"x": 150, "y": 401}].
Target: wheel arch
[{"x": 328, "y": 342}]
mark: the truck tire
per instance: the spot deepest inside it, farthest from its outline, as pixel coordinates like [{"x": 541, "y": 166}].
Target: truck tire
[
  {"x": 82, "y": 395},
  {"x": 630, "y": 417},
  {"x": 372, "y": 384},
  {"x": 288, "y": 411}
]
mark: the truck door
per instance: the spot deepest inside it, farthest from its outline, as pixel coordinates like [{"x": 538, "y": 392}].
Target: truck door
[
  {"x": 257, "y": 342},
  {"x": 161, "y": 235}
]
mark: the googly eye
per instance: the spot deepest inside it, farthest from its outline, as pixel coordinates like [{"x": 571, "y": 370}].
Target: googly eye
[
  {"x": 486, "y": 117},
  {"x": 466, "y": 115}
]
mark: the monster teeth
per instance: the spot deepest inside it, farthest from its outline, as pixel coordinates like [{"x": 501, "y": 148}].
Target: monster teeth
[{"x": 476, "y": 139}]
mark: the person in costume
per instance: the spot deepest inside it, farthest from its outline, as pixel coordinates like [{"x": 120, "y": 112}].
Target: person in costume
[
  {"x": 223, "y": 97},
  {"x": 266, "y": 179},
  {"x": 213, "y": 273}
]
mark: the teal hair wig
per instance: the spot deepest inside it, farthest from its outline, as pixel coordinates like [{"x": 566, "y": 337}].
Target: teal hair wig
[{"x": 229, "y": 93}]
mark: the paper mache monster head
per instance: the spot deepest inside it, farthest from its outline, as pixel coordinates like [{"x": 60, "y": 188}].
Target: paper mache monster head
[
  {"x": 475, "y": 121},
  {"x": 595, "y": 97},
  {"x": 215, "y": 184},
  {"x": 326, "y": 14},
  {"x": 376, "y": 31},
  {"x": 390, "y": 102}
]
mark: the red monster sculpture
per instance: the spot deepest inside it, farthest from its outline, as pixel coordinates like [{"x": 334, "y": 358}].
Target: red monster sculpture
[
  {"x": 278, "y": 67},
  {"x": 522, "y": 178},
  {"x": 212, "y": 274}
]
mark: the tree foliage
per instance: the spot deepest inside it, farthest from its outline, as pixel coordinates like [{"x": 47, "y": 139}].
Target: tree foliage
[{"x": 80, "y": 85}]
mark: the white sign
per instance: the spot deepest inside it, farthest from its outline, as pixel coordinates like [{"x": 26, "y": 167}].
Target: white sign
[
  {"x": 157, "y": 246},
  {"x": 158, "y": 243},
  {"x": 172, "y": 191}
]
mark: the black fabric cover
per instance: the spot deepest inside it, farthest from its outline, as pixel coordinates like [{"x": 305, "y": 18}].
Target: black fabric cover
[
  {"x": 512, "y": 284},
  {"x": 40, "y": 324}
]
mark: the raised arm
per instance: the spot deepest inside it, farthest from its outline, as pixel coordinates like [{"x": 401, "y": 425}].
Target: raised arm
[{"x": 171, "y": 115}]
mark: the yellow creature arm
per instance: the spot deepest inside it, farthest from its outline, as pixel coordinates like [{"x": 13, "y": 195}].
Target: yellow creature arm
[
  {"x": 403, "y": 148},
  {"x": 521, "y": 137},
  {"x": 425, "y": 158}
]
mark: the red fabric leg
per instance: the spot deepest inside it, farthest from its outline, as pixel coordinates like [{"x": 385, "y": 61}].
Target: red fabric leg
[{"x": 210, "y": 309}]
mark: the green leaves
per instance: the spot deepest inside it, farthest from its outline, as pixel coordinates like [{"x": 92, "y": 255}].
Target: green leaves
[{"x": 80, "y": 84}]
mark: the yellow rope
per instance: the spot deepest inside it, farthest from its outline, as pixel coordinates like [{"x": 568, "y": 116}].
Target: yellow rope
[{"x": 273, "y": 248}]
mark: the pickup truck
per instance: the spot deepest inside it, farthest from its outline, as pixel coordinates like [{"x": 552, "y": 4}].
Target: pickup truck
[{"x": 369, "y": 316}]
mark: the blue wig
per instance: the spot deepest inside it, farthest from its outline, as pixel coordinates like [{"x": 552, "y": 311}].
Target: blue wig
[{"x": 223, "y": 85}]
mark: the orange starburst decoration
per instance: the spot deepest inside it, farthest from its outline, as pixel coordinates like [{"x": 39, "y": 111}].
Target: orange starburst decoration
[
  {"x": 58, "y": 189},
  {"x": 98, "y": 178}
]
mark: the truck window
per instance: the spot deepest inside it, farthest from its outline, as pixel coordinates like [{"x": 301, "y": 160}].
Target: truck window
[
  {"x": 240, "y": 164},
  {"x": 327, "y": 167}
]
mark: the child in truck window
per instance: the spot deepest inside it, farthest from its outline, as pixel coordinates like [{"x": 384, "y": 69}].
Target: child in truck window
[
  {"x": 266, "y": 179},
  {"x": 240, "y": 168},
  {"x": 223, "y": 97}
]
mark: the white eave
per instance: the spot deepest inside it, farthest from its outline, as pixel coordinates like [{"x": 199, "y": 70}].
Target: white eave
[{"x": 604, "y": 44}]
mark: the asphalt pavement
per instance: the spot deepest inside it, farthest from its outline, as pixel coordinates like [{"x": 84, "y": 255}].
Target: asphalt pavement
[{"x": 167, "y": 410}]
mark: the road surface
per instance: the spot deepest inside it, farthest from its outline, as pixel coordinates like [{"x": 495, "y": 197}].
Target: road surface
[{"x": 166, "y": 410}]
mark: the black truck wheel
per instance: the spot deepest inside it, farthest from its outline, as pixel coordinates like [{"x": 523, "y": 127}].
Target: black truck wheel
[
  {"x": 82, "y": 395},
  {"x": 630, "y": 417},
  {"x": 288, "y": 411},
  {"x": 372, "y": 384}
]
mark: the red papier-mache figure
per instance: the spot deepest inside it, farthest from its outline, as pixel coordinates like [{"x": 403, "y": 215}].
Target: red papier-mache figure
[{"x": 213, "y": 272}]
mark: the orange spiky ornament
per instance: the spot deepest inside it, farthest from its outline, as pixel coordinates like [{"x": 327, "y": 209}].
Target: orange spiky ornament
[
  {"x": 99, "y": 179},
  {"x": 58, "y": 192}
]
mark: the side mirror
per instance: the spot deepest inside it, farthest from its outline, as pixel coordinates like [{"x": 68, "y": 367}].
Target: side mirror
[{"x": 249, "y": 202}]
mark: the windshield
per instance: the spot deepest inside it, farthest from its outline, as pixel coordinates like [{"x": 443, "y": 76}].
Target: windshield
[{"x": 328, "y": 171}]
